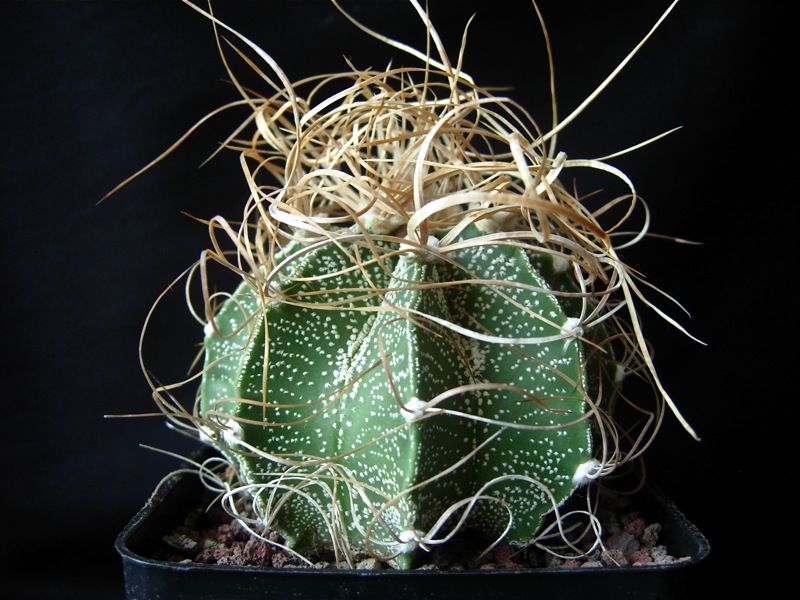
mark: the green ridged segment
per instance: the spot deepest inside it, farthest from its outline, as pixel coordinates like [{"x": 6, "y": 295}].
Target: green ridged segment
[{"x": 336, "y": 379}]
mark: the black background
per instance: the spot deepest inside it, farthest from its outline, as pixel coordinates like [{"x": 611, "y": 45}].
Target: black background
[{"x": 92, "y": 91}]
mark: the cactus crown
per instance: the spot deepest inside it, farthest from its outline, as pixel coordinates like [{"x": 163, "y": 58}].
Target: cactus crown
[{"x": 430, "y": 331}]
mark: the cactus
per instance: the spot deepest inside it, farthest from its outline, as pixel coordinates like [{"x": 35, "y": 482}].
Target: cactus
[
  {"x": 430, "y": 332},
  {"x": 383, "y": 412}
]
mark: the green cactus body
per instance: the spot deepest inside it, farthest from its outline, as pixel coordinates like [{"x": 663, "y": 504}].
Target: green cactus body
[{"x": 349, "y": 429}]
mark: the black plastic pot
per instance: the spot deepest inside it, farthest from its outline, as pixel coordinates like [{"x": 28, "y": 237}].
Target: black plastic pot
[{"x": 148, "y": 579}]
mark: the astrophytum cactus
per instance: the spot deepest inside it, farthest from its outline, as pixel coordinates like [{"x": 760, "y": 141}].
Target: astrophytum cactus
[
  {"x": 430, "y": 332},
  {"x": 378, "y": 390}
]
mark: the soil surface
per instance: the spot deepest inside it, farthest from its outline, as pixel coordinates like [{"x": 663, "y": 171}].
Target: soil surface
[{"x": 629, "y": 539}]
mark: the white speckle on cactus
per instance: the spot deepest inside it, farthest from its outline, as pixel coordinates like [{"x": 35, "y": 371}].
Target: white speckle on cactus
[
  {"x": 498, "y": 221},
  {"x": 412, "y": 252},
  {"x": 233, "y": 432},
  {"x": 376, "y": 222},
  {"x": 414, "y": 409},
  {"x": 573, "y": 328},
  {"x": 408, "y": 541},
  {"x": 561, "y": 264},
  {"x": 206, "y": 433},
  {"x": 585, "y": 472}
]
